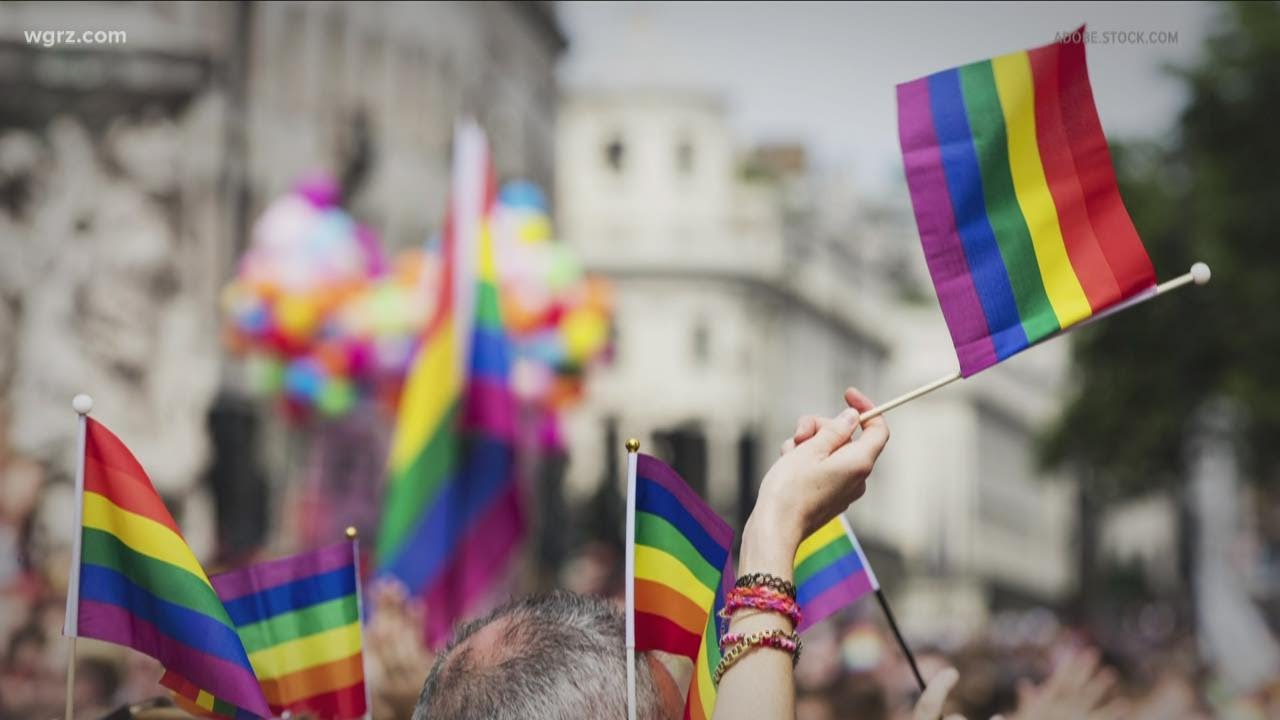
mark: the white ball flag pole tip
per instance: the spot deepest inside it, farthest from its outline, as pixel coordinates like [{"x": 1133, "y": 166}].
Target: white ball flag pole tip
[{"x": 82, "y": 404}]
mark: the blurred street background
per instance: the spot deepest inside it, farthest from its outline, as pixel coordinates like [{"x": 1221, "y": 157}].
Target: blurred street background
[{"x": 708, "y": 235}]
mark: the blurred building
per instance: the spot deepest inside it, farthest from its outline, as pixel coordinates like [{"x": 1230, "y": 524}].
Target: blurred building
[
  {"x": 131, "y": 170},
  {"x": 752, "y": 288}
]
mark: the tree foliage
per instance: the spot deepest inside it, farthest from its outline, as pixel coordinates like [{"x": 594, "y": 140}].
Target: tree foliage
[{"x": 1211, "y": 193}]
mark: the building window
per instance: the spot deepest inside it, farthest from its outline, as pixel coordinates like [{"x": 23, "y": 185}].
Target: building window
[
  {"x": 615, "y": 154},
  {"x": 701, "y": 343},
  {"x": 684, "y": 157}
]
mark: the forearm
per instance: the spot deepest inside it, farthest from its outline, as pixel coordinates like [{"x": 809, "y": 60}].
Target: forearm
[{"x": 761, "y": 684}]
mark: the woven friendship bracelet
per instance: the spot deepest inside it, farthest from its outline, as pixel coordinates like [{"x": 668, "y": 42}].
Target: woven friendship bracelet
[
  {"x": 763, "y": 599},
  {"x": 767, "y": 580},
  {"x": 744, "y": 644}
]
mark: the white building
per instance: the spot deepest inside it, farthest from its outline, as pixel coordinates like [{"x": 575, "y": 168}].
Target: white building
[{"x": 750, "y": 291}]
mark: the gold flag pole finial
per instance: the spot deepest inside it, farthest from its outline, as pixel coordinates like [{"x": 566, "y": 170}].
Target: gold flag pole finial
[
  {"x": 351, "y": 532},
  {"x": 633, "y": 445}
]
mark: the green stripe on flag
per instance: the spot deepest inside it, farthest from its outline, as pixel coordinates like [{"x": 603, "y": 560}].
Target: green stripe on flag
[
  {"x": 829, "y": 553},
  {"x": 163, "y": 580},
  {"x": 654, "y": 531},
  {"x": 488, "y": 307},
  {"x": 335, "y": 613},
  {"x": 410, "y": 492},
  {"x": 991, "y": 144}
]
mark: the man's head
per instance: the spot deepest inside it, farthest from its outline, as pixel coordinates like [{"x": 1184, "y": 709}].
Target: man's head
[{"x": 545, "y": 657}]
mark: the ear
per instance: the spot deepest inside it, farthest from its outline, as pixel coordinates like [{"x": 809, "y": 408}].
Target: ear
[{"x": 670, "y": 674}]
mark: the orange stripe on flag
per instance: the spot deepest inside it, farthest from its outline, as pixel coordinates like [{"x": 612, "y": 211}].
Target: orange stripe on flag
[
  {"x": 665, "y": 601},
  {"x": 316, "y": 680}
]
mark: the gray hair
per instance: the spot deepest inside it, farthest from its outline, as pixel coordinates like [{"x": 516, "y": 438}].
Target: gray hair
[{"x": 561, "y": 655}]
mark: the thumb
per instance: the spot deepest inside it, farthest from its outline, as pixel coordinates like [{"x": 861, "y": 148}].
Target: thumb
[{"x": 834, "y": 432}]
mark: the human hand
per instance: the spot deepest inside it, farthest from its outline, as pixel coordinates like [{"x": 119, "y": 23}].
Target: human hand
[
  {"x": 398, "y": 662},
  {"x": 931, "y": 702},
  {"x": 822, "y": 470},
  {"x": 1074, "y": 691}
]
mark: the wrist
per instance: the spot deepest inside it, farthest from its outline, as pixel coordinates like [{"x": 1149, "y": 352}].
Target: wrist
[{"x": 769, "y": 546}]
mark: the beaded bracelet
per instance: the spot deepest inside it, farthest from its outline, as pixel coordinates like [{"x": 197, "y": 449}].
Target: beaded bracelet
[
  {"x": 767, "y": 580},
  {"x": 761, "y": 598},
  {"x": 776, "y": 639}
]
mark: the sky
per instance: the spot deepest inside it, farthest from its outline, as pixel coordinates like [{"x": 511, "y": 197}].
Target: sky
[{"x": 824, "y": 74}]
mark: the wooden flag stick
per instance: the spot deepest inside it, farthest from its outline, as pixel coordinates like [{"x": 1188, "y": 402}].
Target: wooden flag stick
[
  {"x": 1199, "y": 275},
  {"x": 83, "y": 405},
  {"x": 902, "y": 642}
]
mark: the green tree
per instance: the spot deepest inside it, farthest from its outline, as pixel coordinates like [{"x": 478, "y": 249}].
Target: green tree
[{"x": 1211, "y": 193}]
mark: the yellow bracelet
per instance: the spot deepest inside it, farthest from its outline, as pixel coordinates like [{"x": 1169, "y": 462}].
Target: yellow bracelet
[{"x": 776, "y": 639}]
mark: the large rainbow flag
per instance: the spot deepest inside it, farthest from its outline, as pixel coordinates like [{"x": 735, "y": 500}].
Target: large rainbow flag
[
  {"x": 452, "y": 514},
  {"x": 136, "y": 583},
  {"x": 831, "y": 572},
  {"x": 1015, "y": 197},
  {"x": 681, "y": 566},
  {"x": 299, "y": 619}
]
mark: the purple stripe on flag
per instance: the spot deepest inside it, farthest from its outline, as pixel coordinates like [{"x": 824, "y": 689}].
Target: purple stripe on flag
[
  {"x": 490, "y": 408},
  {"x": 657, "y": 471},
  {"x": 225, "y": 680},
  {"x": 835, "y": 598},
  {"x": 943, "y": 250},
  {"x": 481, "y": 558},
  {"x": 264, "y": 576}
]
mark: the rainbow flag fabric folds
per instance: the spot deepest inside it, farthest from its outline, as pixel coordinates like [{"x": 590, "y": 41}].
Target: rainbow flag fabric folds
[
  {"x": 452, "y": 514},
  {"x": 139, "y": 585},
  {"x": 1015, "y": 197},
  {"x": 299, "y": 619},
  {"x": 831, "y": 572},
  {"x": 681, "y": 567}
]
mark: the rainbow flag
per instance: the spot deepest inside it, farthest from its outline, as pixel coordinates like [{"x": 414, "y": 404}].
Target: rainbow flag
[
  {"x": 1015, "y": 197},
  {"x": 831, "y": 572},
  {"x": 679, "y": 556},
  {"x": 299, "y": 619},
  {"x": 452, "y": 515},
  {"x": 134, "y": 581},
  {"x": 700, "y": 702}
]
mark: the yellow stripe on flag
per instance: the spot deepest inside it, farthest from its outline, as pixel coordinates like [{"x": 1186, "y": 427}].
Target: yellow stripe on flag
[
  {"x": 141, "y": 534},
  {"x": 702, "y": 676},
  {"x": 289, "y": 657},
  {"x": 819, "y": 539},
  {"x": 433, "y": 385},
  {"x": 663, "y": 568},
  {"x": 204, "y": 700},
  {"x": 1017, "y": 100}
]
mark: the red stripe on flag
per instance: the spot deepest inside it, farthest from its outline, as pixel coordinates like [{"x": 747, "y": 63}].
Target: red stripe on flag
[
  {"x": 1111, "y": 222},
  {"x": 1087, "y": 259},
  {"x": 654, "y": 632},
  {"x": 111, "y": 471},
  {"x": 349, "y": 702}
]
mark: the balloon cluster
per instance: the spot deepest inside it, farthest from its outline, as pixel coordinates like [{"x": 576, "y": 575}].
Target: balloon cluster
[
  {"x": 315, "y": 311},
  {"x": 558, "y": 317},
  {"x": 324, "y": 322}
]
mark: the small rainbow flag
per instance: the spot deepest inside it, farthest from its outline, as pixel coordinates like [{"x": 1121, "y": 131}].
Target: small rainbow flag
[
  {"x": 452, "y": 514},
  {"x": 134, "y": 581},
  {"x": 1015, "y": 197},
  {"x": 831, "y": 572},
  {"x": 678, "y": 550},
  {"x": 299, "y": 619},
  {"x": 700, "y": 702}
]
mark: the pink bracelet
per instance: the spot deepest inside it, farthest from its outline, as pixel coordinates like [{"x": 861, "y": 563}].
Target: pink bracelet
[{"x": 761, "y": 598}]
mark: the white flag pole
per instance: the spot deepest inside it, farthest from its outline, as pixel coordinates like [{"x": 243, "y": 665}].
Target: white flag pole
[
  {"x": 1199, "y": 274},
  {"x": 633, "y": 448},
  {"x": 83, "y": 405}
]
